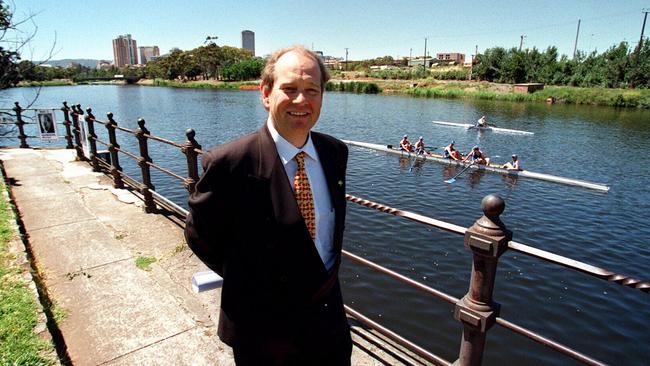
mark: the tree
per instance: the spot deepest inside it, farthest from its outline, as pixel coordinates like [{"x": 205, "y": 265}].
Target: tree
[{"x": 9, "y": 74}]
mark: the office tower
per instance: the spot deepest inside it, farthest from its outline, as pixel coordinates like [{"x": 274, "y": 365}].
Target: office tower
[
  {"x": 125, "y": 51},
  {"x": 148, "y": 53},
  {"x": 248, "y": 41}
]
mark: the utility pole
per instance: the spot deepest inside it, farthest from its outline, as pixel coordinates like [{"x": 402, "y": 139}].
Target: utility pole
[
  {"x": 471, "y": 68},
  {"x": 424, "y": 64},
  {"x": 575, "y": 45},
  {"x": 645, "y": 11},
  {"x": 521, "y": 42},
  {"x": 346, "y": 59}
]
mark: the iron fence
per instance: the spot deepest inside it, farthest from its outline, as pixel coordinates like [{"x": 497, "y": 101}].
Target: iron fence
[{"x": 487, "y": 239}]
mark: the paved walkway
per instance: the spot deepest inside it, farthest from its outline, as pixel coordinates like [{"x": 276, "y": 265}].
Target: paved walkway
[{"x": 86, "y": 238}]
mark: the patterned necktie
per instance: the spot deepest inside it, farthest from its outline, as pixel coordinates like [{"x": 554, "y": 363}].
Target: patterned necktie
[{"x": 302, "y": 191}]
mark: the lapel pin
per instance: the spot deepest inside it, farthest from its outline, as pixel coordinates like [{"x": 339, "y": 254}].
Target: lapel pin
[{"x": 340, "y": 183}]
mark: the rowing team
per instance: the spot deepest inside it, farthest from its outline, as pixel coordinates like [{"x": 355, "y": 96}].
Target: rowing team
[{"x": 476, "y": 156}]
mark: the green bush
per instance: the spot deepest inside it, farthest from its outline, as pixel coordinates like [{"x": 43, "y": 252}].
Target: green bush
[{"x": 361, "y": 87}]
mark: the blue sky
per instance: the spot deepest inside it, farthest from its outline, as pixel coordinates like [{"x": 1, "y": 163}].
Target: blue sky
[{"x": 368, "y": 28}]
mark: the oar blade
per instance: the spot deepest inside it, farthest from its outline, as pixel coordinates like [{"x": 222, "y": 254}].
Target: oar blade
[{"x": 450, "y": 181}]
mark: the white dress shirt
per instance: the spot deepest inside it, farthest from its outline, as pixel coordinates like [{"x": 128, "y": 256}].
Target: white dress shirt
[{"x": 320, "y": 192}]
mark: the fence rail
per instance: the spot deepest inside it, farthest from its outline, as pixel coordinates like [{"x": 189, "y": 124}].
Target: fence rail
[{"x": 487, "y": 239}]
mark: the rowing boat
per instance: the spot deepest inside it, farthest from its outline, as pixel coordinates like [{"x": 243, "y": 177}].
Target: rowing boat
[
  {"x": 491, "y": 168},
  {"x": 488, "y": 128}
]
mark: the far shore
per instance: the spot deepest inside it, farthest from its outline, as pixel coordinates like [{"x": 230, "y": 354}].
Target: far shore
[{"x": 430, "y": 88}]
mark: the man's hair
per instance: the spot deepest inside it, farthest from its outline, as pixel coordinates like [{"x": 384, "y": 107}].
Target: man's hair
[{"x": 268, "y": 74}]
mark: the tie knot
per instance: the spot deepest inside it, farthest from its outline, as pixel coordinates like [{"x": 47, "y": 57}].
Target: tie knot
[{"x": 300, "y": 159}]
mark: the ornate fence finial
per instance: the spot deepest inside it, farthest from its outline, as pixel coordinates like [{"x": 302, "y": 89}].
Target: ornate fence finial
[
  {"x": 113, "y": 146},
  {"x": 189, "y": 149},
  {"x": 143, "y": 163},
  {"x": 20, "y": 123},
  {"x": 92, "y": 139},
  {"x": 67, "y": 123},
  {"x": 487, "y": 239}
]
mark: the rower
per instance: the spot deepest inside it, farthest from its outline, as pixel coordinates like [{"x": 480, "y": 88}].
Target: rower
[
  {"x": 512, "y": 165},
  {"x": 419, "y": 146},
  {"x": 451, "y": 152},
  {"x": 482, "y": 122},
  {"x": 477, "y": 156},
  {"x": 405, "y": 144}
]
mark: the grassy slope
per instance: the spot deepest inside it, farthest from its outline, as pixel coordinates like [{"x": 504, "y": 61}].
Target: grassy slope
[
  {"x": 637, "y": 98},
  {"x": 19, "y": 345}
]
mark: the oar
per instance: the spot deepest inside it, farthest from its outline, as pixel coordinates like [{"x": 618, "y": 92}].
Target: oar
[
  {"x": 414, "y": 161},
  {"x": 452, "y": 180}
]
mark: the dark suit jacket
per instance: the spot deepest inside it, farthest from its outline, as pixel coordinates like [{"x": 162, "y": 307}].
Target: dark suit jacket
[{"x": 245, "y": 225}]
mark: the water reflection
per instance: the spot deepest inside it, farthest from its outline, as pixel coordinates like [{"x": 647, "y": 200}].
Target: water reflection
[
  {"x": 404, "y": 162},
  {"x": 474, "y": 177},
  {"x": 510, "y": 180}
]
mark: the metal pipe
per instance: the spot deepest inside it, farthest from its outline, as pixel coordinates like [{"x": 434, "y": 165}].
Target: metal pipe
[{"x": 396, "y": 337}]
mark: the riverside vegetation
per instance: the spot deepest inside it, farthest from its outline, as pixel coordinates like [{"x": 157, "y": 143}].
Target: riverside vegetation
[
  {"x": 19, "y": 344},
  {"x": 619, "y": 76}
]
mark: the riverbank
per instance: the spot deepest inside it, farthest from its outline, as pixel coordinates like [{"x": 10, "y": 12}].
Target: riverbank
[
  {"x": 430, "y": 88},
  {"x": 200, "y": 84}
]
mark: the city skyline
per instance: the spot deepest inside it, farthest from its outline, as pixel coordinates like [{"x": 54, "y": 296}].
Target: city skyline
[{"x": 367, "y": 29}]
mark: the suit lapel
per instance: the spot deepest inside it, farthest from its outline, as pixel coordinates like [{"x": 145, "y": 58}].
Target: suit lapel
[{"x": 270, "y": 168}]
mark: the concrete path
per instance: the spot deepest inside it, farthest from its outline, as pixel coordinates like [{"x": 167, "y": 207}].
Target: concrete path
[{"x": 86, "y": 237}]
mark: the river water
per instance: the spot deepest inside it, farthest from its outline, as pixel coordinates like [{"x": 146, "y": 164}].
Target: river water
[{"x": 610, "y": 230}]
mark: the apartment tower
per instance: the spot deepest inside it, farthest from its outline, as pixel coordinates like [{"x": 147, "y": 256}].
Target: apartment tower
[
  {"x": 125, "y": 51},
  {"x": 248, "y": 41}
]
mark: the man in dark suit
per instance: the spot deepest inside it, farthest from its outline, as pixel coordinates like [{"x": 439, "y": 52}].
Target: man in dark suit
[{"x": 268, "y": 216}]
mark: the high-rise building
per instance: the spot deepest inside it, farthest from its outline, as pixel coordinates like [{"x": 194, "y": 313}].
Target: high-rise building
[
  {"x": 148, "y": 53},
  {"x": 125, "y": 51},
  {"x": 248, "y": 41}
]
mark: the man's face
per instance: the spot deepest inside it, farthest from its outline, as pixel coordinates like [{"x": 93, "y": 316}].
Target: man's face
[{"x": 295, "y": 100}]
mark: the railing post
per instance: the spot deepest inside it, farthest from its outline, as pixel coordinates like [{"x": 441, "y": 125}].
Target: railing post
[
  {"x": 112, "y": 149},
  {"x": 20, "y": 123},
  {"x": 92, "y": 142},
  {"x": 67, "y": 123},
  {"x": 76, "y": 112},
  {"x": 192, "y": 161},
  {"x": 487, "y": 239},
  {"x": 143, "y": 162}
]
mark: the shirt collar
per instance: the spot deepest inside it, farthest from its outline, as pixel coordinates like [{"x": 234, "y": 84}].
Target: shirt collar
[{"x": 286, "y": 150}]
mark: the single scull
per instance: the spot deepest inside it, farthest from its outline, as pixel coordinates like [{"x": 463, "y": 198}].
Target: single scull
[
  {"x": 491, "y": 168},
  {"x": 489, "y": 128}
]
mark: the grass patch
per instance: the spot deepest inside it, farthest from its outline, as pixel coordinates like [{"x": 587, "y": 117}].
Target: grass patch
[
  {"x": 637, "y": 98},
  {"x": 230, "y": 85},
  {"x": 57, "y": 82},
  {"x": 19, "y": 345},
  {"x": 144, "y": 263}
]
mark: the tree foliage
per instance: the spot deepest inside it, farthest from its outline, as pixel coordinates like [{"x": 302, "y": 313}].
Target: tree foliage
[
  {"x": 9, "y": 74},
  {"x": 618, "y": 67},
  {"x": 208, "y": 62}
]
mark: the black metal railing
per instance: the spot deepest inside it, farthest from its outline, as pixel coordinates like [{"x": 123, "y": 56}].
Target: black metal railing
[{"x": 487, "y": 239}]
